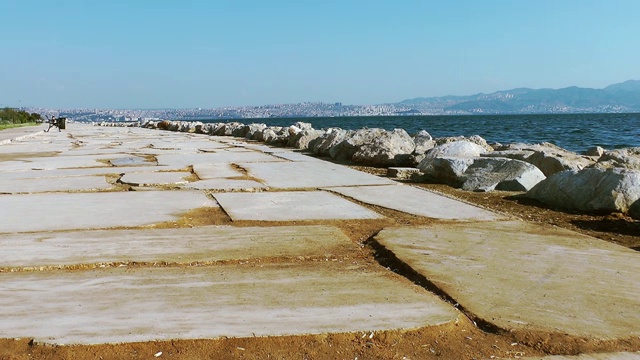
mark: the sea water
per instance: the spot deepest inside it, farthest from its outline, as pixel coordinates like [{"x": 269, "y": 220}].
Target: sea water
[{"x": 575, "y": 132}]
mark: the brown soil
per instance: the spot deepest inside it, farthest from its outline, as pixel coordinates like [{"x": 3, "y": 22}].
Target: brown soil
[
  {"x": 615, "y": 227},
  {"x": 469, "y": 338}
]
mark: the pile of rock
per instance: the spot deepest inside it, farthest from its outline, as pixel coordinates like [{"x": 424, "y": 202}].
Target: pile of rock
[
  {"x": 118, "y": 123},
  {"x": 597, "y": 180}
]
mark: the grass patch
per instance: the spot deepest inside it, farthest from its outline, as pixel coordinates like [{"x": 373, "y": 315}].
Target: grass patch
[{"x": 10, "y": 126}]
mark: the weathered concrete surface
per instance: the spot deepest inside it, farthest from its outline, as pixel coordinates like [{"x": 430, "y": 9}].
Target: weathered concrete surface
[
  {"x": 602, "y": 356},
  {"x": 521, "y": 276},
  {"x": 226, "y": 185},
  {"x": 299, "y": 175},
  {"x": 188, "y": 159},
  {"x": 291, "y": 205},
  {"x": 74, "y": 183},
  {"x": 201, "y": 244},
  {"x": 15, "y": 134},
  {"x": 415, "y": 201},
  {"x": 150, "y": 178},
  {"x": 130, "y": 161},
  {"x": 43, "y": 212},
  {"x": 56, "y": 162},
  {"x": 127, "y": 305},
  {"x": 64, "y": 173},
  {"x": 296, "y": 156},
  {"x": 215, "y": 171}
]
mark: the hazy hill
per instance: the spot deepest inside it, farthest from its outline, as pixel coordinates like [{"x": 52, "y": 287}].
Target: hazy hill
[{"x": 623, "y": 97}]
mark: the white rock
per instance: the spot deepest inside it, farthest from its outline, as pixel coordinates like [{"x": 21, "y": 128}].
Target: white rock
[
  {"x": 628, "y": 158},
  {"x": 383, "y": 149},
  {"x": 591, "y": 189}
]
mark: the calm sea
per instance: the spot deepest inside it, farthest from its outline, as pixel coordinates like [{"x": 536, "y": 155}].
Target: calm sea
[{"x": 575, "y": 132}]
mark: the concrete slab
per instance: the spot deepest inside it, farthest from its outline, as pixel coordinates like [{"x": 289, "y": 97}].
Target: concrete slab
[
  {"x": 215, "y": 171},
  {"x": 180, "y": 144},
  {"x": 143, "y": 304},
  {"x": 201, "y": 244},
  {"x": 602, "y": 356},
  {"x": 291, "y": 205},
  {"x": 184, "y": 160},
  {"x": 416, "y": 201},
  {"x": 522, "y": 276},
  {"x": 226, "y": 185},
  {"x": 75, "y": 183},
  {"x": 130, "y": 161},
  {"x": 152, "y": 178},
  {"x": 15, "y": 134},
  {"x": 62, "y": 173},
  {"x": 300, "y": 175},
  {"x": 263, "y": 148},
  {"x": 57, "y": 162},
  {"x": 46, "y": 212},
  {"x": 296, "y": 156}
]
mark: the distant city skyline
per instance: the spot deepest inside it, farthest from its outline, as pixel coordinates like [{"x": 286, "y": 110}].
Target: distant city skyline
[{"x": 165, "y": 54}]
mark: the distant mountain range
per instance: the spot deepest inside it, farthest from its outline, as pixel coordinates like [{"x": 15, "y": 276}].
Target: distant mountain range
[
  {"x": 623, "y": 97},
  {"x": 617, "y": 98}
]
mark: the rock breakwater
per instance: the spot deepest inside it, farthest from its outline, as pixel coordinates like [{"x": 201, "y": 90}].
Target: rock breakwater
[{"x": 541, "y": 170}]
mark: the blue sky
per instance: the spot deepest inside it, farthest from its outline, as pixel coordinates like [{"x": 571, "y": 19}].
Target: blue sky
[{"x": 183, "y": 54}]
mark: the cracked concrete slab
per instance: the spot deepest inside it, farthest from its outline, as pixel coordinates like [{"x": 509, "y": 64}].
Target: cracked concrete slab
[
  {"x": 296, "y": 156},
  {"x": 522, "y": 276},
  {"x": 416, "y": 201},
  {"x": 201, "y": 244},
  {"x": 35, "y": 185},
  {"x": 130, "y": 161},
  {"x": 215, "y": 171},
  {"x": 184, "y": 160},
  {"x": 56, "y": 162},
  {"x": 103, "y": 306},
  {"x": 9, "y": 135},
  {"x": 151, "y": 178},
  {"x": 60, "y": 211},
  {"x": 299, "y": 175},
  {"x": 226, "y": 185},
  {"x": 291, "y": 205},
  {"x": 63, "y": 173}
]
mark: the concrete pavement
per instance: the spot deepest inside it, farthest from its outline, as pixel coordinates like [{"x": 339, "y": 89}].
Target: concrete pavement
[{"x": 79, "y": 207}]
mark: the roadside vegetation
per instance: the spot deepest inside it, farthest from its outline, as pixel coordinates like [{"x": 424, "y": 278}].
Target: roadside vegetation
[{"x": 10, "y": 118}]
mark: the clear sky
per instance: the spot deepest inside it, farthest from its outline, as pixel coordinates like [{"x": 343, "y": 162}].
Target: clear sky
[{"x": 214, "y": 53}]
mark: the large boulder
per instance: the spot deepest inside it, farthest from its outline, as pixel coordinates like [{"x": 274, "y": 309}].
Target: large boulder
[
  {"x": 304, "y": 138},
  {"x": 634, "y": 210},
  {"x": 173, "y": 126},
  {"x": 446, "y": 170},
  {"x": 628, "y": 158},
  {"x": 484, "y": 174},
  {"x": 303, "y": 125},
  {"x": 384, "y": 149},
  {"x": 227, "y": 129},
  {"x": 215, "y": 128},
  {"x": 593, "y": 189},
  {"x": 293, "y": 131},
  {"x": 326, "y": 141},
  {"x": 277, "y": 136},
  {"x": 253, "y": 130},
  {"x": 476, "y": 139},
  {"x": 270, "y": 134},
  {"x": 240, "y": 131},
  {"x": 345, "y": 149},
  {"x": 461, "y": 148},
  {"x": 198, "y": 126},
  {"x": 423, "y": 141},
  {"x": 547, "y": 157}
]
